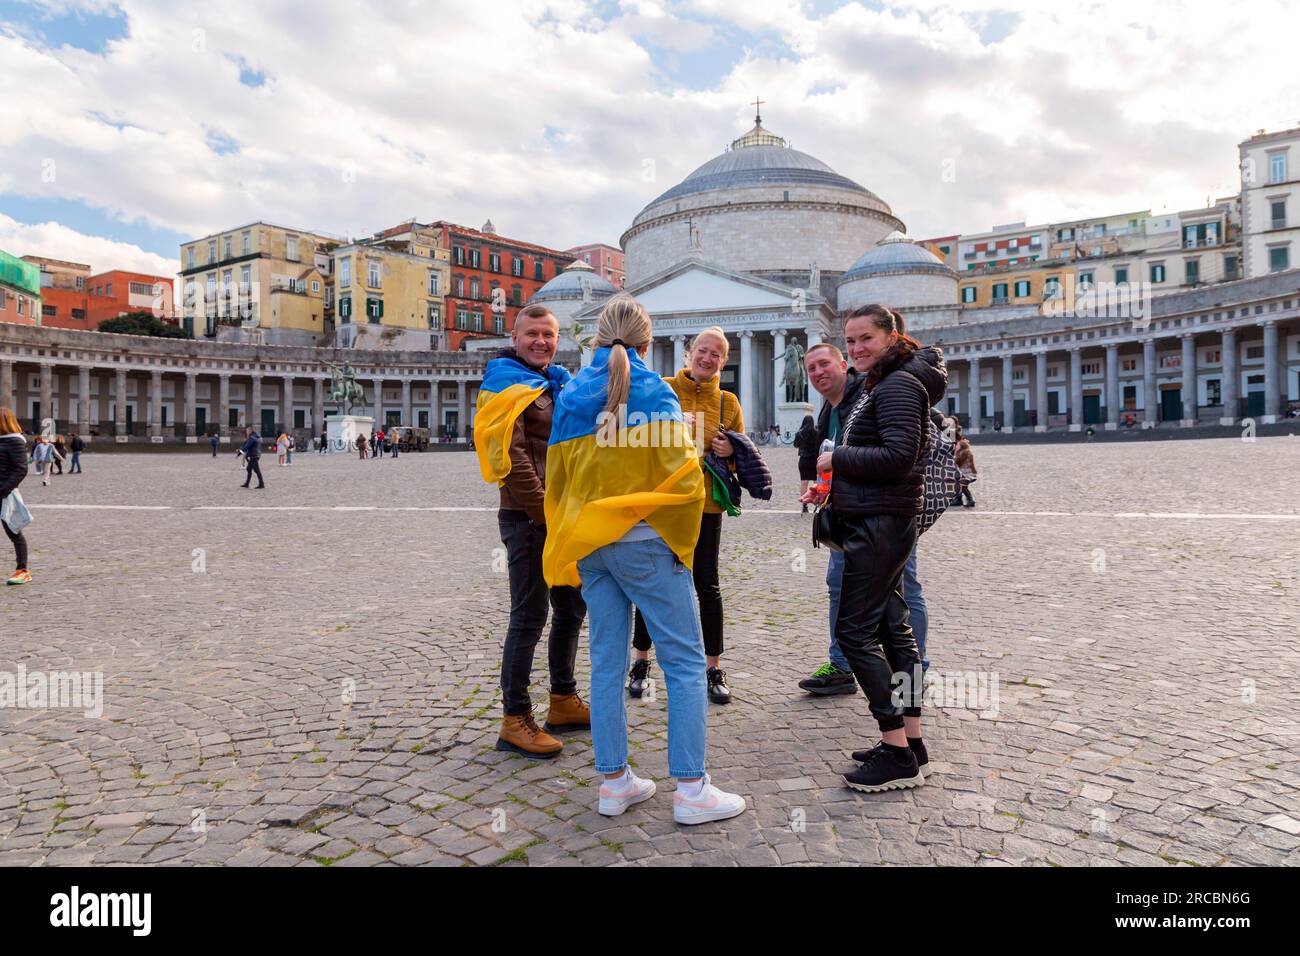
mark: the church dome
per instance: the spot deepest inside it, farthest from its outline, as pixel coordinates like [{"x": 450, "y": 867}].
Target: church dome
[
  {"x": 574, "y": 283},
  {"x": 896, "y": 254},
  {"x": 762, "y": 208}
]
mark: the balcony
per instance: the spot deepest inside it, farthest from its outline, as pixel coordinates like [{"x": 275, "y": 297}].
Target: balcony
[
  {"x": 1000, "y": 300},
  {"x": 1278, "y": 223}
]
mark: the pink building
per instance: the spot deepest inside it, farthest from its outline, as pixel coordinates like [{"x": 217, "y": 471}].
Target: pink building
[{"x": 607, "y": 261}]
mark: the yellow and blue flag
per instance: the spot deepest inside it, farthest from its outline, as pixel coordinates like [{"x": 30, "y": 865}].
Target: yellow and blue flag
[
  {"x": 509, "y": 386},
  {"x": 596, "y": 491}
]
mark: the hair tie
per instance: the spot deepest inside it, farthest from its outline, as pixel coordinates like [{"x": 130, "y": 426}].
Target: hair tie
[{"x": 618, "y": 342}]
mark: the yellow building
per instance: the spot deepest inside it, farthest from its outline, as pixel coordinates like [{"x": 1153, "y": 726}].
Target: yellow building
[
  {"x": 1031, "y": 285},
  {"x": 267, "y": 280},
  {"x": 389, "y": 291}
]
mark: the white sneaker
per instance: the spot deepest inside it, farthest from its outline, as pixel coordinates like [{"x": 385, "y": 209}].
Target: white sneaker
[
  {"x": 617, "y": 796},
  {"x": 711, "y": 804}
]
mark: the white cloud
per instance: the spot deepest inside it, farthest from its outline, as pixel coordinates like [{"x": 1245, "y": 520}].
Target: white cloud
[
  {"x": 544, "y": 118},
  {"x": 55, "y": 241}
]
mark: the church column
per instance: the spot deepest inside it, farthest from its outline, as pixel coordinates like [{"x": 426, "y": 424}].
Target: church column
[
  {"x": 435, "y": 410},
  {"x": 1008, "y": 395},
  {"x": 1150, "y": 410},
  {"x": 679, "y": 353},
  {"x": 47, "y": 392},
  {"x": 747, "y": 378},
  {"x": 286, "y": 404},
  {"x": 973, "y": 393},
  {"x": 406, "y": 402},
  {"x": 378, "y": 407},
  {"x": 1231, "y": 384},
  {"x": 254, "y": 405},
  {"x": 778, "y": 374},
  {"x": 462, "y": 398},
  {"x": 1112, "y": 387},
  {"x": 1040, "y": 391},
  {"x": 7, "y": 385},
  {"x": 317, "y": 405}
]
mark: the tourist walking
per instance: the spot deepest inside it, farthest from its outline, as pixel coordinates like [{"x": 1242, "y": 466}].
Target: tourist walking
[
  {"x": 14, "y": 515},
  {"x": 361, "y": 447},
  {"x": 60, "y": 453},
  {"x": 841, "y": 386},
  {"x": 78, "y": 446},
  {"x": 805, "y": 442},
  {"x": 212, "y": 440},
  {"x": 324, "y": 442},
  {"x": 711, "y": 411},
  {"x": 876, "y": 493},
  {"x": 515, "y": 406},
  {"x": 282, "y": 449},
  {"x": 252, "y": 452},
  {"x": 44, "y": 456},
  {"x": 638, "y": 553}
]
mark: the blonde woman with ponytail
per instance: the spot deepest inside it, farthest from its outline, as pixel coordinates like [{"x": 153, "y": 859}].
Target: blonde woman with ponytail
[{"x": 624, "y": 495}]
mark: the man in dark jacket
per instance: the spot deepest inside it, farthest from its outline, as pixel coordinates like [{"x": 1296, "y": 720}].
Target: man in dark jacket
[
  {"x": 78, "y": 446},
  {"x": 252, "y": 451},
  {"x": 522, "y": 523}
]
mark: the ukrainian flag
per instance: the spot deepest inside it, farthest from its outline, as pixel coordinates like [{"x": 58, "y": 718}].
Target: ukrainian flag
[
  {"x": 509, "y": 386},
  {"x": 595, "y": 494}
]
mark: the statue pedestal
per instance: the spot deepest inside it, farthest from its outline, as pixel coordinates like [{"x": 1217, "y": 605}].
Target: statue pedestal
[
  {"x": 789, "y": 415},
  {"x": 342, "y": 431}
]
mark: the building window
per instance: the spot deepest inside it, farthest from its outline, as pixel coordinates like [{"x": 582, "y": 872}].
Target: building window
[
  {"x": 462, "y": 318},
  {"x": 1022, "y": 288},
  {"x": 246, "y": 279},
  {"x": 1254, "y": 352},
  {"x": 1157, "y": 272},
  {"x": 460, "y": 285},
  {"x": 517, "y": 266},
  {"x": 999, "y": 293},
  {"x": 1277, "y": 213},
  {"x": 22, "y": 305},
  {"x": 315, "y": 286},
  {"x": 458, "y": 255},
  {"x": 246, "y": 242},
  {"x": 374, "y": 310},
  {"x": 1193, "y": 268},
  {"x": 433, "y": 283},
  {"x": 517, "y": 294},
  {"x": 1212, "y": 356},
  {"x": 79, "y": 314},
  {"x": 225, "y": 247},
  {"x": 345, "y": 307},
  {"x": 1230, "y": 267},
  {"x": 329, "y": 296},
  {"x": 1090, "y": 368},
  {"x": 1121, "y": 274},
  {"x": 1213, "y": 392},
  {"x": 435, "y": 315},
  {"x": 189, "y": 258},
  {"x": 494, "y": 262},
  {"x": 1172, "y": 360},
  {"x": 141, "y": 288},
  {"x": 537, "y": 269},
  {"x": 291, "y": 248},
  {"x": 49, "y": 310},
  {"x": 212, "y": 251},
  {"x": 968, "y": 294},
  {"x": 1279, "y": 259},
  {"x": 473, "y": 287},
  {"x": 372, "y": 273},
  {"x": 499, "y": 324},
  {"x": 1128, "y": 365},
  {"x": 475, "y": 259},
  {"x": 345, "y": 272},
  {"x": 212, "y": 294},
  {"x": 1277, "y": 168},
  {"x": 478, "y": 321},
  {"x": 1052, "y": 287},
  {"x": 1085, "y": 280}
]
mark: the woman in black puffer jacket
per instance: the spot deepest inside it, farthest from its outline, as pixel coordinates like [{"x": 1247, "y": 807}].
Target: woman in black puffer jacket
[
  {"x": 13, "y": 469},
  {"x": 877, "y": 493}
]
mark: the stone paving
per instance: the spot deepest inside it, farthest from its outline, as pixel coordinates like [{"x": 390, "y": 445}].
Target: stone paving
[{"x": 299, "y": 685}]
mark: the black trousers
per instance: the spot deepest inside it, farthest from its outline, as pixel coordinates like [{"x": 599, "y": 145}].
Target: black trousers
[
  {"x": 529, "y": 597},
  {"x": 872, "y": 628},
  {"x": 708, "y": 590},
  {"x": 253, "y": 468},
  {"x": 20, "y": 546}
]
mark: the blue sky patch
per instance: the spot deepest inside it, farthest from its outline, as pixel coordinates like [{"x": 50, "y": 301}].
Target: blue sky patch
[{"x": 92, "y": 32}]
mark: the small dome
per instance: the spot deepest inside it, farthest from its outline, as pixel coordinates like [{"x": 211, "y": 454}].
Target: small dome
[
  {"x": 896, "y": 254},
  {"x": 573, "y": 283},
  {"x": 488, "y": 227}
]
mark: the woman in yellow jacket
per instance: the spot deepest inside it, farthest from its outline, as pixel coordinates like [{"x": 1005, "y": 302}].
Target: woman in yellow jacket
[{"x": 713, "y": 410}]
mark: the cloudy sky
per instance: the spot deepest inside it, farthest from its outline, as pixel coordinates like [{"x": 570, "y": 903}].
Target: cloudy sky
[{"x": 131, "y": 126}]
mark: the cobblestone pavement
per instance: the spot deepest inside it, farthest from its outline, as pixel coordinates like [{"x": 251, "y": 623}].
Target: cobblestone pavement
[{"x": 1137, "y": 604}]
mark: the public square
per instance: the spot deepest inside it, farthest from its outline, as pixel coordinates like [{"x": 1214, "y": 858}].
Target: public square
[{"x": 308, "y": 675}]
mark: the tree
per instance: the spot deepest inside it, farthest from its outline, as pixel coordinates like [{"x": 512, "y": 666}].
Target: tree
[{"x": 142, "y": 323}]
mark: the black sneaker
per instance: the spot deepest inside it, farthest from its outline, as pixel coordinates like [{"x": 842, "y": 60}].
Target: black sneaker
[
  {"x": 719, "y": 692},
  {"x": 917, "y": 748},
  {"x": 886, "y": 769},
  {"x": 829, "y": 679},
  {"x": 637, "y": 676}
]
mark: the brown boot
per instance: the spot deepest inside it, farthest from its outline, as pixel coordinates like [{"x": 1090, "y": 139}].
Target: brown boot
[
  {"x": 567, "y": 712},
  {"x": 521, "y": 735}
]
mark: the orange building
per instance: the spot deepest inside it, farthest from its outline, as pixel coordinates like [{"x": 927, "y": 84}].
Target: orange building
[{"x": 74, "y": 298}]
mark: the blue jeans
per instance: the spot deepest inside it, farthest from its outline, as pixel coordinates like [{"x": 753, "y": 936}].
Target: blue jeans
[
  {"x": 918, "y": 613},
  {"x": 648, "y": 575}
]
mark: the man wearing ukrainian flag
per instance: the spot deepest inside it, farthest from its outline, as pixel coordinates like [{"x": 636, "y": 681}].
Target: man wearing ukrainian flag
[
  {"x": 511, "y": 431},
  {"x": 624, "y": 496}
]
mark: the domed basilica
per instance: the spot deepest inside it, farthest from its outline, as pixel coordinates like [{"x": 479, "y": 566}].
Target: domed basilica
[{"x": 771, "y": 244}]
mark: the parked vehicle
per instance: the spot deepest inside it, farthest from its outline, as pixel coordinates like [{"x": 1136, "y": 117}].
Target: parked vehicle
[{"x": 408, "y": 438}]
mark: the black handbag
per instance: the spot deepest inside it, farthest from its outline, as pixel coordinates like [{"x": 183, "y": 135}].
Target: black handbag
[{"x": 827, "y": 528}]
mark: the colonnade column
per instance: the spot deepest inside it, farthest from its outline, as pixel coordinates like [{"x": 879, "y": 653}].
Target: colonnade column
[
  {"x": 778, "y": 374},
  {"x": 1231, "y": 383},
  {"x": 119, "y": 413},
  {"x": 1040, "y": 391},
  {"x": 1008, "y": 394},
  {"x": 1076, "y": 389},
  {"x": 191, "y": 400},
  {"x": 1151, "y": 413},
  {"x": 286, "y": 404},
  {"x": 747, "y": 378},
  {"x": 462, "y": 399},
  {"x": 317, "y": 406},
  {"x": 1112, "y": 387},
  {"x": 1189, "y": 380},
  {"x": 155, "y": 403},
  {"x": 679, "y": 353},
  {"x": 973, "y": 395},
  {"x": 83, "y": 399},
  {"x": 47, "y": 391},
  {"x": 406, "y": 402},
  {"x": 254, "y": 414},
  {"x": 435, "y": 410},
  {"x": 1272, "y": 396},
  {"x": 7, "y": 385},
  {"x": 223, "y": 404}
]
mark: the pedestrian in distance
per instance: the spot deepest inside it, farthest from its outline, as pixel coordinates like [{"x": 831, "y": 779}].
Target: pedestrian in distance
[
  {"x": 805, "y": 443},
  {"x": 251, "y": 451},
  {"x": 78, "y": 446},
  {"x": 213, "y": 441}
]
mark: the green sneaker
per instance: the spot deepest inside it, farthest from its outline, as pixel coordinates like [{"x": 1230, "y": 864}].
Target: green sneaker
[{"x": 829, "y": 680}]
